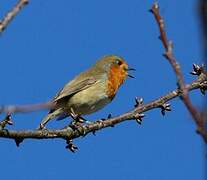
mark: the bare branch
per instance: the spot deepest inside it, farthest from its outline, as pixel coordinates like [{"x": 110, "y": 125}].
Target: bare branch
[
  {"x": 168, "y": 45},
  {"x": 68, "y": 133},
  {"x": 26, "y": 108},
  {"x": 177, "y": 69},
  {"x": 11, "y": 14},
  {"x": 203, "y": 17}
]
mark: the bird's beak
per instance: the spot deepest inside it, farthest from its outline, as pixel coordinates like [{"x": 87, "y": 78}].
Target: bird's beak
[{"x": 130, "y": 69}]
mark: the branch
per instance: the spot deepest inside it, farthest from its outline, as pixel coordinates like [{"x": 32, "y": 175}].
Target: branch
[
  {"x": 199, "y": 120},
  {"x": 26, "y": 108},
  {"x": 68, "y": 133},
  {"x": 11, "y": 14},
  {"x": 203, "y": 17}
]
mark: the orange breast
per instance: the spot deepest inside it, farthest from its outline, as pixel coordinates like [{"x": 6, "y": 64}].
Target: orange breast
[{"x": 116, "y": 77}]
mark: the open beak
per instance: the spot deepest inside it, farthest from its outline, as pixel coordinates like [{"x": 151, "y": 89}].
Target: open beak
[{"x": 130, "y": 69}]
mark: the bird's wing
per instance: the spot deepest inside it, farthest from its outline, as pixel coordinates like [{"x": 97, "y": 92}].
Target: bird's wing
[{"x": 74, "y": 87}]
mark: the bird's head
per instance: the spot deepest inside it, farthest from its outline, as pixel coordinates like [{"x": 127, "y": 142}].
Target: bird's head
[
  {"x": 117, "y": 71},
  {"x": 114, "y": 64}
]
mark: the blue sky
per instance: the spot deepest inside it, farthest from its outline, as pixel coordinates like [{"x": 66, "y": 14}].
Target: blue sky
[{"x": 50, "y": 42}]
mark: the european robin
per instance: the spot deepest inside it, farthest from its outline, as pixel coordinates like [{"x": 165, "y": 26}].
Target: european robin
[{"x": 90, "y": 90}]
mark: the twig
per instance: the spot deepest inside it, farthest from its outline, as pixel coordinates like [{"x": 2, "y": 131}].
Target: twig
[
  {"x": 203, "y": 17},
  {"x": 11, "y": 14},
  {"x": 26, "y": 108},
  {"x": 69, "y": 133},
  {"x": 176, "y": 67}
]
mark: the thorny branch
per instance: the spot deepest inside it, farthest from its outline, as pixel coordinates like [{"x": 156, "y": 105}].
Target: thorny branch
[
  {"x": 199, "y": 120},
  {"x": 69, "y": 133},
  {"x": 11, "y": 14}
]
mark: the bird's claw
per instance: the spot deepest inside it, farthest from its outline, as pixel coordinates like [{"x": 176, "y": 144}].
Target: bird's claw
[
  {"x": 76, "y": 117},
  {"x": 76, "y": 126}
]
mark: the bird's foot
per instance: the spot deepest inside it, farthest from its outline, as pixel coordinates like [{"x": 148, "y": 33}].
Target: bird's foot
[
  {"x": 77, "y": 118},
  {"x": 75, "y": 125}
]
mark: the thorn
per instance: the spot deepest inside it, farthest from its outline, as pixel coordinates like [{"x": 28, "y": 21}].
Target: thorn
[{"x": 72, "y": 147}]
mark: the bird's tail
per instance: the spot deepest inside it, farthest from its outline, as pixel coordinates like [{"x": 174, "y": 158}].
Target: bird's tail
[{"x": 51, "y": 115}]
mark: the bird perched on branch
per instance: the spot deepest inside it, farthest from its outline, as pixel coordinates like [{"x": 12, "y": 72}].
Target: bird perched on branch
[{"x": 90, "y": 90}]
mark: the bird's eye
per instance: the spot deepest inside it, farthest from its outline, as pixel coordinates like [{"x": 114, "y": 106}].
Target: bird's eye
[{"x": 119, "y": 62}]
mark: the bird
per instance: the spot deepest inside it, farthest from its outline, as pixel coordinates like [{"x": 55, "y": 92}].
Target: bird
[{"x": 89, "y": 91}]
